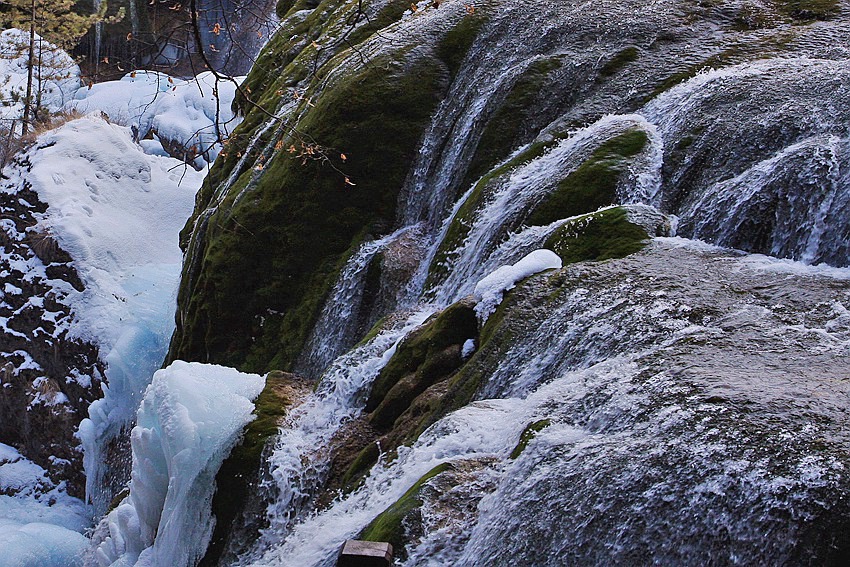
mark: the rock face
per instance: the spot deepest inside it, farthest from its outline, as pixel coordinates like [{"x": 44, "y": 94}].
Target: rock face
[
  {"x": 48, "y": 379},
  {"x": 390, "y": 158}
]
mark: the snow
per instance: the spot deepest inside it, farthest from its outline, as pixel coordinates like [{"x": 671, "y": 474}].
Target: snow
[
  {"x": 60, "y": 75},
  {"x": 185, "y": 113},
  {"x": 191, "y": 417},
  {"x": 490, "y": 290},
  {"x": 117, "y": 211},
  {"x": 39, "y": 523},
  {"x": 467, "y": 349}
]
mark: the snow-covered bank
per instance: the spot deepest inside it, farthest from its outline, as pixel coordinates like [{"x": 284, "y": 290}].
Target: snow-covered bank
[
  {"x": 191, "y": 417},
  {"x": 117, "y": 211}
]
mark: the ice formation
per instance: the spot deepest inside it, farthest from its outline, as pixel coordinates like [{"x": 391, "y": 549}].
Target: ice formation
[{"x": 191, "y": 417}]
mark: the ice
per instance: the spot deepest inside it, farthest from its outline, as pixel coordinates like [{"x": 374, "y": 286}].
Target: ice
[
  {"x": 188, "y": 113},
  {"x": 191, "y": 417},
  {"x": 491, "y": 288},
  {"x": 39, "y": 523}
]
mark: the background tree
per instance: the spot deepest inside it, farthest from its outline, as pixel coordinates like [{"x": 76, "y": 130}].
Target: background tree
[{"x": 56, "y": 21}]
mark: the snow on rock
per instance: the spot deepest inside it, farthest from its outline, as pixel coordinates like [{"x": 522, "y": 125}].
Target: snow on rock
[
  {"x": 39, "y": 523},
  {"x": 60, "y": 76},
  {"x": 183, "y": 116},
  {"x": 191, "y": 417},
  {"x": 490, "y": 290},
  {"x": 117, "y": 212}
]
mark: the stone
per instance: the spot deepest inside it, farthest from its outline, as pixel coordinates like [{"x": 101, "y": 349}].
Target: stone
[{"x": 356, "y": 553}]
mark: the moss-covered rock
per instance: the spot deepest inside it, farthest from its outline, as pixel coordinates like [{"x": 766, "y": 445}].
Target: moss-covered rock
[
  {"x": 619, "y": 60},
  {"x": 393, "y": 523},
  {"x": 455, "y": 44},
  {"x": 375, "y": 114},
  {"x": 594, "y": 183},
  {"x": 427, "y": 355},
  {"x": 238, "y": 477},
  {"x": 597, "y": 236}
]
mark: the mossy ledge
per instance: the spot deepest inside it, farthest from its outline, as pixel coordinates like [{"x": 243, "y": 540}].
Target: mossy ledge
[
  {"x": 598, "y": 236},
  {"x": 238, "y": 476},
  {"x": 530, "y": 432},
  {"x": 390, "y": 524},
  {"x": 426, "y": 355},
  {"x": 427, "y": 358},
  {"x": 254, "y": 275}
]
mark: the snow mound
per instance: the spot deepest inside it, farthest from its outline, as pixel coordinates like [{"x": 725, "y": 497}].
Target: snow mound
[
  {"x": 184, "y": 116},
  {"x": 191, "y": 417},
  {"x": 39, "y": 523},
  {"x": 58, "y": 75},
  {"x": 491, "y": 289}
]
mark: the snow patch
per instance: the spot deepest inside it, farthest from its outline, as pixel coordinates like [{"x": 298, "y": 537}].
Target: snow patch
[
  {"x": 186, "y": 113},
  {"x": 39, "y": 523},
  {"x": 60, "y": 76},
  {"x": 491, "y": 289}
]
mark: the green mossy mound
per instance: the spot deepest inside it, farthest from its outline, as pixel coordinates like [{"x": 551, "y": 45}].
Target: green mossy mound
[
  {"x": 236, "y": 481},
  {"x": 594, "y": 183},
  {"x": 270, "y": 259},
  {"x": 599, "y": 236},
  {"x": 391, "y": 524}
]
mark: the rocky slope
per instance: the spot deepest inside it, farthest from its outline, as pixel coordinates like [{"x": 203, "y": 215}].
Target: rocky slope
[
  {"x": 48, "y": 378},
  {"x": 392, "y": 156}
]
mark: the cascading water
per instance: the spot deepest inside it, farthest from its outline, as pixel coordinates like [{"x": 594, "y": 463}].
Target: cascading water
[
  {"x": 701, "y": 360},
  {"x": 781, "y": 189}
]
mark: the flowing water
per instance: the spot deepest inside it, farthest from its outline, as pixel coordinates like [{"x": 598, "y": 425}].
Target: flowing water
[{"x": 724, "y": 374}]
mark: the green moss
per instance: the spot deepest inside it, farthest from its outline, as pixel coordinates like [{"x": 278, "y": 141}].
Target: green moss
[
  {"x": 508, "y": 126},
  {"x": 238, "y": 475},
  {"x": 373, "y": 332},
  {"x": 620, "y": 60},
  {"x": 426, "y": 356},
  {"x": 594, "y": 183},
  {"x": 598, "y": 236},
  {"x": 530, "y": 431},
  {"x": 283, "y": 7},
  {"x": 389, "y": 525},
  {"x": 270, "y": 259},
  {"x": 357, "y": 470},
  {"x": 386, "y": 16},
  {"x": 454, "y": 46}
]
